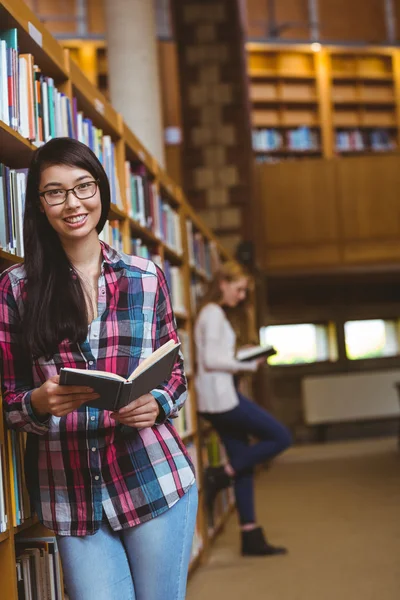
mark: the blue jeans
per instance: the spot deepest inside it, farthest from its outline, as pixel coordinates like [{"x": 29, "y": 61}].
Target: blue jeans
[
  {"x": 235, "y": 427},
  {"x": 146, "y": 562}
]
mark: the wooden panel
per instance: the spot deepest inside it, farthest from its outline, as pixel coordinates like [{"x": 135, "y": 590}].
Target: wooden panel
[
  {"x": 317, "y": 255},
  {"x": 362, "y": 20},
  {"x": 299, "y": 202},
  {"x": 368, "y": 196},
  {"x": 372, "y": 252},
  {"x": 286, "y": 11}
]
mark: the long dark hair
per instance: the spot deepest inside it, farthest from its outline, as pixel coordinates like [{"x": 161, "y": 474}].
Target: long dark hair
[{"x": 55, "y": 307}]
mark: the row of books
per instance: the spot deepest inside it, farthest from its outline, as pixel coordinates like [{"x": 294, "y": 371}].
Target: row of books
[
  {"x": 139, "y": 248},
  {"x": 20, "y": 503},
  {"x": 112, "y": 235},
  {"x": 302, "y": 138},
  {"x": 3, "y": 507},
  {"x": 31, "y": 104},
  {"x": 174, "y": 277},
  {"x": 202, "y": 254},
  {"x": 197, "y": 290},
  {"x": 355, "y": 139},
  {"x": 186, "y": 351},
  {"x": 146, "y": 206},
  {"x": 184, "y": 420},
  {"x": 38, "y": 569},
  {"x": 12, "y": 204}
]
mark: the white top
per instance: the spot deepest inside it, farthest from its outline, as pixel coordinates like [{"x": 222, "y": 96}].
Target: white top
[{"x": 216, "y": 363}]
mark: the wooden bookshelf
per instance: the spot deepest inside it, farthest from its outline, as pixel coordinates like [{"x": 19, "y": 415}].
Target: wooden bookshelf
[
  {"x": 336, "y": 101},
  {"x": 16, "y": 152}
]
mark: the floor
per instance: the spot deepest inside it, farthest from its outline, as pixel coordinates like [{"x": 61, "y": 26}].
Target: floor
[{"x": 337, "y": 509}]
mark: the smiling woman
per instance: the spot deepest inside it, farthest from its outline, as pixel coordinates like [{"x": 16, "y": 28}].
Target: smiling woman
[{"x": 78, "y": 303}]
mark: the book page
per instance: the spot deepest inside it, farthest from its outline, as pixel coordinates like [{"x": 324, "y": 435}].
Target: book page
[
  {"x": 153, "y": 358},
  {"x": 98, "y": 373}
]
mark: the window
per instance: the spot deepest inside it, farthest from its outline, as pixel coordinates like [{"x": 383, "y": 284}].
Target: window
[
  {"x": 301, "y": 343},
  {"x": 371, "y": 339}
]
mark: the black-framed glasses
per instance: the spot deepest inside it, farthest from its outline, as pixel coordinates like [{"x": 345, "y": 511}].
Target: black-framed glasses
[{"x": 82, "y": 191}]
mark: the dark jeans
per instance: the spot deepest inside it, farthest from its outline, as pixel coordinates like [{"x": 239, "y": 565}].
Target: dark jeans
[{"x": 235, "y": 427}]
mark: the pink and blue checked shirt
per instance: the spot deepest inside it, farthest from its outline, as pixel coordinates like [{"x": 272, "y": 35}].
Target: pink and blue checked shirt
[{"x": 85, "y": 463}]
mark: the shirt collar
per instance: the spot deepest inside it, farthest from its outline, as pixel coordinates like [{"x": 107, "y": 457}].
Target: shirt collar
[{"x": 110, "y": 255}]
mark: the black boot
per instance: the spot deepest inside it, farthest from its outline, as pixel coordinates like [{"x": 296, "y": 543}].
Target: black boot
[
  {"x": 215, "y": 480},
  {"x": 255, "y": 544}
]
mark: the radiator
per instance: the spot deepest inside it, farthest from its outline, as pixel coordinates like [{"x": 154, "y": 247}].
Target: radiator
[{"x": 351, "y": 397}]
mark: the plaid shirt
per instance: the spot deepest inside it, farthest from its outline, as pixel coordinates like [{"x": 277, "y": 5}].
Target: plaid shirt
[{"x": 81, "y": 464}]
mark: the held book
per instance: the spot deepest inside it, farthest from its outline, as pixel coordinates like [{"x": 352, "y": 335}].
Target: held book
[
  {"x": 255, "y": 352},
  {"x": 115, "y": 391}
]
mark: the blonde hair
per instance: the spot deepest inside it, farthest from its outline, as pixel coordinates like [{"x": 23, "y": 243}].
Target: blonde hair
[
  {"x": 238, "y": 316},
  {"x": 229, "y": 271}
]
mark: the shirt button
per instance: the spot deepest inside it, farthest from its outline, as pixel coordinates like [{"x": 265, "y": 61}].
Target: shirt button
[
  {"x": 97, "y": 477},
  {"x": 92, "y": 418},
  {"x": 94, "y": 449},
  {"x": 90, "y": 362}
]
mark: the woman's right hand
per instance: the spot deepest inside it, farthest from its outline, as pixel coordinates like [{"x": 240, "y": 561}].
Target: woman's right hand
[{"x": 59, "y": 400}]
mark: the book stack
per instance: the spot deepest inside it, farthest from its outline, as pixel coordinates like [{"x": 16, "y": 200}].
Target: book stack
[
  {"x": 12, "y": 203},
  {"x": 186, "y": 349},
  {"x": 169, "y": 230},
  {"x": 380, "y": 140},
  {"x": 139, "y": 248},
  {"x": 29, "y": 101},
  {"x": 20, "y": 503},
  {"x": 202, "y": 253},
  {"x": 175, "y": 282},
  {"x": 142, "y": 197},
  {"x": 296, "y": 139},
  {"x": 103, "y": 147},
  {"x": 197, "y": 290},
  {"x": 267, "y": 139},
  {"x": 112, "y": 235},
  {"x": 192, "y": 451},
  {"x": 302, "y": 138},
  {"x": 3, "y": 509},
  {"x": 183, "y": 422},
  {"x": 352, "y": 140},
  {"x": 38, "y": 568}
]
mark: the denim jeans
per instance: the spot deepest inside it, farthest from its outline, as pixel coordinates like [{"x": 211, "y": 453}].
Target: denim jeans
[
  {"x": 146, "y": 562},
  {"x": 235, "y": 427}
]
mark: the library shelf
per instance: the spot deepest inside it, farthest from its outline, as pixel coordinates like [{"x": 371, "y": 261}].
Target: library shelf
[
  {"x": 4, "y": 536},
  {"x": 14, "y": 149},
  {"x": 26, "y": 525},
  {"x": 172, "y": 255},
  {"x": 11, "y": 259}
]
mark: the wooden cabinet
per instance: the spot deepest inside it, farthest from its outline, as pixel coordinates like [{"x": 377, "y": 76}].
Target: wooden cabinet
[{"x": 328, "y": 214}]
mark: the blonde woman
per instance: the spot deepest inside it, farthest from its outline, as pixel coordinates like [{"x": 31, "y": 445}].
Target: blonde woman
[{"x": 234, "y": 417}]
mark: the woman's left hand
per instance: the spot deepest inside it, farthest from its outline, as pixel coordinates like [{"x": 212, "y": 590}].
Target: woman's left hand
[{"x": 140, "y": 413}]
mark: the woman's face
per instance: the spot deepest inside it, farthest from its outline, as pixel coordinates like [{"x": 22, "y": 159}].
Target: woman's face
[
  {"x": 233, "y": 292},
  {"x": 76, "y": 218}
]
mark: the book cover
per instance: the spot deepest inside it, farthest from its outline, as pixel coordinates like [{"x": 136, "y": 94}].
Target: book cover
[
  {"x": 255, "y": 352},
  {"x": 115, "y": 391}
]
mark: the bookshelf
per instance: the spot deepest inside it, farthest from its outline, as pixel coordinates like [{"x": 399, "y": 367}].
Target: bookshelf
[
  {"x": 149, "y": 215},
  {"x": 335, "y": 101}
]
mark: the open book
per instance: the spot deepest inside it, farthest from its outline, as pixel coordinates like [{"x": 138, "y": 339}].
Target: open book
[
  {"x": 255, "y": 352},
  {"x": 115, "y": 391}
]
